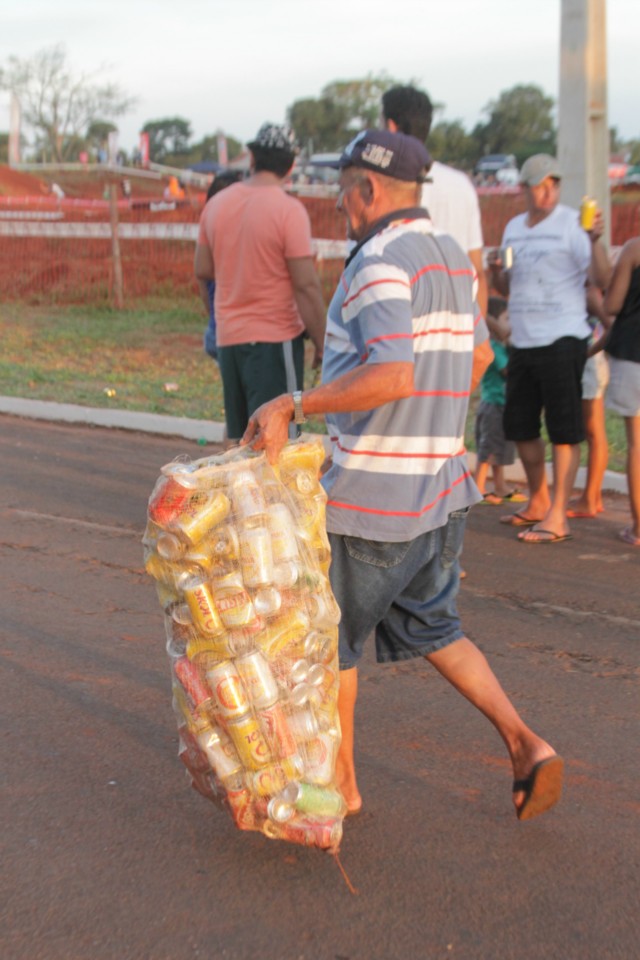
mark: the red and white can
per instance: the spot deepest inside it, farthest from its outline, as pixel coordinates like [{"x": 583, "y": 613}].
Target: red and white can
[
  {"x": 275, "y": 725},
  {"x": 189, "y": 676}
]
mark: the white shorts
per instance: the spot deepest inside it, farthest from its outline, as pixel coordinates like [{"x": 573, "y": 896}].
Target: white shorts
[
  {"x": 595, "y": 377},
  {"x": 623, "y": 395}
]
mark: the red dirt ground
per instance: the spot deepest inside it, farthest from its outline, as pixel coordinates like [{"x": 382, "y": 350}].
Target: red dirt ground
[{"x": 16, "y": 184}]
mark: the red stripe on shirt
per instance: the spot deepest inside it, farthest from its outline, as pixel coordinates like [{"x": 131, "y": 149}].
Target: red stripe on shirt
[
  {"x": 401, "y": 513},
  {"x": 367, "y": 286},
  {"x": 401, "y": 456},
  {"x": 443, "y": 269}
]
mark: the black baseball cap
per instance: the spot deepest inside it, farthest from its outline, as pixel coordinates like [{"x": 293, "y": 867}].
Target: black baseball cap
[{"x": 396, "y": 155}]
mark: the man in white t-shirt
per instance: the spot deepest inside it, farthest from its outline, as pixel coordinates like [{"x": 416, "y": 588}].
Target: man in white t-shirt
[
  {"x": 449, "y": 197},
  {"x": 553, "y": 257}
]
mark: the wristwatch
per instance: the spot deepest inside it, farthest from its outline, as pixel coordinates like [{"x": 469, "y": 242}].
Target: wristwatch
[{"x": 298, "y": 412}]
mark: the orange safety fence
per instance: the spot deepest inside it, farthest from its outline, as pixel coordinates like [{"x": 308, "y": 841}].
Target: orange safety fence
[{"x": 62, "y": 250}]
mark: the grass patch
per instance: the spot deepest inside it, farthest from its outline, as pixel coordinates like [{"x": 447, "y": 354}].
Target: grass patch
[{"x": 79, "y": 354}]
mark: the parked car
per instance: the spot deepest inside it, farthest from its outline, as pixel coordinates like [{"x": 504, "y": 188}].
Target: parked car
[
  {"x": 487, "y": 168},
  {"x": 633, "y": 174}
]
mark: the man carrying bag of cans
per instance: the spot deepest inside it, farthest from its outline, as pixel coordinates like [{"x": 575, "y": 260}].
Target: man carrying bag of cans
[{"x": 405, "y": 345}]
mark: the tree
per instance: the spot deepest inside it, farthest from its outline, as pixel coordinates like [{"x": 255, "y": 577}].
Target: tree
[
  {"x": 343, "y": 108},
  {"x": 57, "y": 105},
  {"x": 207, "y": 148},
  {"x": 168, "y": 138},
  {"x": 450, "y": 143},
  {"x": 520, "y": 122},
  {"x": 320, "y": 125},
  {"x": 97, "y": 136}
]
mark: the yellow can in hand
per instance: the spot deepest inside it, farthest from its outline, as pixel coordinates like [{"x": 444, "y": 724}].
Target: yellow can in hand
[{"x": 588, "y": 210}]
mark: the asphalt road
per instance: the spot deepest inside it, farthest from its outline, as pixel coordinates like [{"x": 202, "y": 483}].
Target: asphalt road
[{"x": 109, "y": 855}]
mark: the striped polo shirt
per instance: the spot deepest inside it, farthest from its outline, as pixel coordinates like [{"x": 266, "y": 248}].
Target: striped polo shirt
[{"x": 399, "y": 470}]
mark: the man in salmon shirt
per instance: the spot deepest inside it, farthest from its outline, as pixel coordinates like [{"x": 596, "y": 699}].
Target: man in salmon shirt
[{"x": 255, "y": 242}]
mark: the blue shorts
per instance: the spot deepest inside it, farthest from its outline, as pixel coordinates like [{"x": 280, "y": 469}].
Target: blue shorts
[{"x": 406, "y": 592}]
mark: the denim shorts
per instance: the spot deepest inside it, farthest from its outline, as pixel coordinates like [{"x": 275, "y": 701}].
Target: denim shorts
[{"x": 404, "y": 592}]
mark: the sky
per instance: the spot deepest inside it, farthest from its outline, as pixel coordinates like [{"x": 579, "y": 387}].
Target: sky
[{"x": 233, "y": 64}]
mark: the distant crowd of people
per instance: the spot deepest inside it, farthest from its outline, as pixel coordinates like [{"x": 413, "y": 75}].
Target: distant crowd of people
[{"x": 410, "y": 332}]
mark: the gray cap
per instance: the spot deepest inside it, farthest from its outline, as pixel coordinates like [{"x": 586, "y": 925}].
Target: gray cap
[{"x": 538, "y": 168}]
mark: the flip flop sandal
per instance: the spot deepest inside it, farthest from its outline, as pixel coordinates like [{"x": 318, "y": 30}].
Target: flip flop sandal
[
  {"x": 548, "y": 536},
  {"x": 517, "y": 520},
  {"x": 542, "y": 788}
]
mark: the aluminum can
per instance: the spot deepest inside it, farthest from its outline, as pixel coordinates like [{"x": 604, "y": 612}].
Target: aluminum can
[
  {"x": 191, "y": 754},
  {"x": 203, "y": 609},
  {"x": 248, "y": 498},
  {"x": 297, "y": 672},
  {"x": 303, "y": 724},
  {"x": 167, "y": 594},
  {"x": 189, "y": 676},
  {"x": 203, "y": 512},
  {"x": 279, "y": 810},
  {"x": 273, "y": 778},
  {"x": 319, "y": 759},
  {"x": 231, "y": 696},
  {"x": 258, "y": 679},
  {"x": 312, "y": 799},
  {"x": 250, "y": 742},
  {"x": 286, "y": 573},
  {"x": 320, "y": 646},
  {"x": 275, "y": 724},
  {"x": 243, "y": 809},
  {"x": 287, "y": 631},
  {"x": 322, "y": 678},
  {"x": 302, "y": 455},
  {"x": 588, "y": 210},
  {"x": 303, "y": 694},
  {"x": 220, "y": 752},
  {"x": 506, "y": 256},
  {"x": 284, "y": 543},
  {"x": 267, "y": 601},
  {"x": 323, "y": 609},
  {"x": 168, "y": 501},
  {"x": 225, "y": 543},
  {"x": 169, "y": 546},
  {"x": 306, "y": 832},
  {"x": 233, "y": 602},
  {"x": 215, "y": 648},
  {"x": 159, "y": 569},
  {"x": 256, "y": 557}
]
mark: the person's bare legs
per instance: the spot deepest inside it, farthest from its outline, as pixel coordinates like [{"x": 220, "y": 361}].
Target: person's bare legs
[
  {"x": 467, "y": 669},
  {"x": 566, "y": 458},
  {"x": 632, "y": 426},
  {"x": 590, "y": 500},
  {"x": 345, "y": 766},
  {"x": 482, "y": 471},
  {"x": 499, "y": 484},
  {"x": 531, "y": 453}
]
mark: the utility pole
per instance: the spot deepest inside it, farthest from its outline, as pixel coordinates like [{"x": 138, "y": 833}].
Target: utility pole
[{"x": 583, "y": 129}]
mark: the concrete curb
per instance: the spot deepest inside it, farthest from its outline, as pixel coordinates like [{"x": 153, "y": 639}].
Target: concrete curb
[{"x": 209, "y": 431}]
